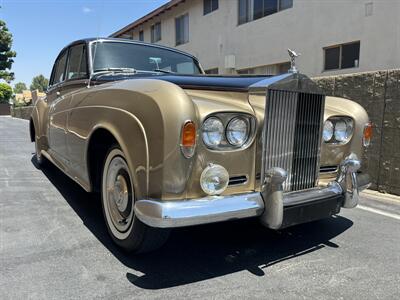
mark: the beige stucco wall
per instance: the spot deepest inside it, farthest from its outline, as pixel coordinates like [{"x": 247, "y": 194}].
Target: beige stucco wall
[{"x": 307, "y": 27}]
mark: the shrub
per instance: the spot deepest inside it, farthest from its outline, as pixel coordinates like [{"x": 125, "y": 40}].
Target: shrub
[{"x": 5, "y": 93}]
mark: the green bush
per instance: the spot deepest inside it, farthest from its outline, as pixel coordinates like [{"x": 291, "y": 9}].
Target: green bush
[{"x": 5, "y": 93}]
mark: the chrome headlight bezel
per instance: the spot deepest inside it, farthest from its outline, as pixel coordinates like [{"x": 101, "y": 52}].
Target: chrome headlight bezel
[
  {"x": 340, "y": 136},
  {"x": 229, "y": 131},
  {"x": 206, "y": 130},
  {"x": 226, "y": 118},
  {"x": 328, "y": 131}
]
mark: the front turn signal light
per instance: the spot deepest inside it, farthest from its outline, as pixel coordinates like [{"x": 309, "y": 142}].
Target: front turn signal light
[
  {"x": 188, "y": 139},
  {"x": 367, "y": 134}
]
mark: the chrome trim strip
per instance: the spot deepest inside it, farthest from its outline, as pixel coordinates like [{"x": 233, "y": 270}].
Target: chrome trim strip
[
  {"x": 84, "y": 185},
  {"x": 238, "y": 180}
]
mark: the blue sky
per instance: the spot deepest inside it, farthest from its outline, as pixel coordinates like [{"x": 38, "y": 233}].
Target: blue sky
[{"x": 41, "y": 28}]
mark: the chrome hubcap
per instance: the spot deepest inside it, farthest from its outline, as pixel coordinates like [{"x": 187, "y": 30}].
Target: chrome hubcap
[
  {"x": 121, "y": 194},
  {"x": 119, "y": 198}
]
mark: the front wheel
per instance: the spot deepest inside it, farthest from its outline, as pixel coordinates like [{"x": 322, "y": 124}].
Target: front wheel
[{"x": 118, "y": 199}]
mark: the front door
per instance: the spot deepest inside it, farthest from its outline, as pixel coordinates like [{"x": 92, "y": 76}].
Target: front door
[{"x": 58, "y": 110}]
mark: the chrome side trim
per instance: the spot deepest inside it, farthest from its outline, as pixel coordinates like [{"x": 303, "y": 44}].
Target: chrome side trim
[{"x": 85, "y": 186}]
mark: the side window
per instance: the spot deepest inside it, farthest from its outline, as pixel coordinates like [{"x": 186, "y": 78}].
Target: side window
[
  {"x": 60, "y": 68},
  {"x": 77, "y": 68}
]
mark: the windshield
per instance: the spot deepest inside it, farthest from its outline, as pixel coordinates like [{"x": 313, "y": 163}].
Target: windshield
[{"x": 130, "y": 56}]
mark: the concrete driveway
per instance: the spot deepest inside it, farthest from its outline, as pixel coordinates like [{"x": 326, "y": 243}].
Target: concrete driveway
[{"x": 54, "y": 245}]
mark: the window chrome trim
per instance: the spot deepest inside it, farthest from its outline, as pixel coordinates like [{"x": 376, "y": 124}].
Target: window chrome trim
[{"x": 102, "y": 40}]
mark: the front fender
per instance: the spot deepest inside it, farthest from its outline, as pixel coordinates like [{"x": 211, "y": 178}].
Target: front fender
[
  {"x": 136, "y": 149},
  {"x": 145, "y": 116}
]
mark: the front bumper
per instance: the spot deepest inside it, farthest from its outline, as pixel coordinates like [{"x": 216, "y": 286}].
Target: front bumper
[{"x": 275, "y": 208}]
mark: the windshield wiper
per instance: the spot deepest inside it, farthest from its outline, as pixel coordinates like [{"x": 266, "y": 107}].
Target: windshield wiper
[
  {"x": 163, "y": 71},
  {"x": 116, "y": 70}
]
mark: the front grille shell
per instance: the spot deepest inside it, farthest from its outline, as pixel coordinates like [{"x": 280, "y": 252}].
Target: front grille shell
[{"x": 291, "y": 138}]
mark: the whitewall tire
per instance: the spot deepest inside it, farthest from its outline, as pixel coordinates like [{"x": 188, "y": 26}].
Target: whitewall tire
[{"x": 118, "y": 200}]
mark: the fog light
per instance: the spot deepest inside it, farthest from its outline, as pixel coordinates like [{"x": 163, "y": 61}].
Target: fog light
[{"x": 214, "y": 179}]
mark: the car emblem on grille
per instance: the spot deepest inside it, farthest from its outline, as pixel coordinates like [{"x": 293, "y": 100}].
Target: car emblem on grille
[{"x": 293, "y": 55}]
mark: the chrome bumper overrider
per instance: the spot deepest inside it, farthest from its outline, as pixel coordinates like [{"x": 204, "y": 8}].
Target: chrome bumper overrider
[{"x": 270, "y": 205}]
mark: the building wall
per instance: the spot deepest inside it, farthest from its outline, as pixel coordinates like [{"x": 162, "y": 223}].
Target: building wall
[{"x": 307, "y": 27}]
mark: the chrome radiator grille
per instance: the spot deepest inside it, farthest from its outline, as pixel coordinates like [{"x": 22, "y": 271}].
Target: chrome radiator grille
[{"x": 292, "y": 136}]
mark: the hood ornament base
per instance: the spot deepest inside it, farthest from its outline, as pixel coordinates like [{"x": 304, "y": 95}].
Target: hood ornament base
[{"x": 293, "y": 55}]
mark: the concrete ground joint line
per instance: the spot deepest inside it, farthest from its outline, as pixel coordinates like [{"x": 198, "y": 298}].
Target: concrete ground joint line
[
  {"x": 379, "y": 212},
  {"x": 385, "y": 196}
]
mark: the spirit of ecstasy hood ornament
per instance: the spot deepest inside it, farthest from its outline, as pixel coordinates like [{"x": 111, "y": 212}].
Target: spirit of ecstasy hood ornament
[{"x": 293, "y": 56}]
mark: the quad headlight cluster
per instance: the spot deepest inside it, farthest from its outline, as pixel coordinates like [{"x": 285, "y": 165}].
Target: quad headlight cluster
[
  {"x": 338, "y": 130},
  {"x": 228, "y": 131}
]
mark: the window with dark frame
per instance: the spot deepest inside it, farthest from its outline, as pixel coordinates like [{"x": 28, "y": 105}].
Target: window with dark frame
[
  {"x": 342, "y": 56},
  {"x": 250, "y": 10},
  {"x": 210, "y": 6},
  {"x": 59, "y": 71},
  {"x": 213, "y": 71},
  {"x": 77, "y": 66},
  {"x": 182, "y": 29},
  {"x": 141, "y": 35},
  {"x": 156, "y": 32}
]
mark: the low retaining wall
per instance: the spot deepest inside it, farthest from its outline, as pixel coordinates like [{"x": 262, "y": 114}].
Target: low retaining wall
[
  {"x": 379, "y": 93},
  {"x": 23, "y": 112},
  {"x": 4, "y": 109}
]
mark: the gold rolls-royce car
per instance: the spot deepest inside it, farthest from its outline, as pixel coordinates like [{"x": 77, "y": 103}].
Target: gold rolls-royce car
[{"x": 168, "y": 146}]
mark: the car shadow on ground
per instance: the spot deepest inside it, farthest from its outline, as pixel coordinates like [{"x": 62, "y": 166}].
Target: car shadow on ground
[{"x": 202, "y": 252}]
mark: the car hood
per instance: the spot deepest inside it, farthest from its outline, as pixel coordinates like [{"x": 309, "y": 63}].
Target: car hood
[{"x": 203, "y": 82}]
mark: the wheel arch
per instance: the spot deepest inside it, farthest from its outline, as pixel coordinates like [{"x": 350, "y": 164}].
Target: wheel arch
[{"x": 104, "y": 136}]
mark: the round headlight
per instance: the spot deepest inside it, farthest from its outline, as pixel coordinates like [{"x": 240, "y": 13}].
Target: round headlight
[
  {"x": 327, "y": 133},
  {"x": 212, "y": 131},
  {"x": 237, "y": 132},
  {"x": 214, "y": 179},
  {"x": 343, "y": 130}
]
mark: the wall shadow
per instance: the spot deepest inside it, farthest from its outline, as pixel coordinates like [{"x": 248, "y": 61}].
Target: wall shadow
[{"x": 198, "y": 253}]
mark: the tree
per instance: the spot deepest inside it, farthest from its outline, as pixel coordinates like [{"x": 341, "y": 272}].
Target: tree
[
  {"x": 19, "y": 87},
  {"x": 39, "y": 83},
  {"x": 5, "y": 93},
  {"x": 6, "y": 55}
]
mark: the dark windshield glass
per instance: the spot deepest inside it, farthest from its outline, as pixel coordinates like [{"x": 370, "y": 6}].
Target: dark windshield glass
[{"x": 111, "y": 55}]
